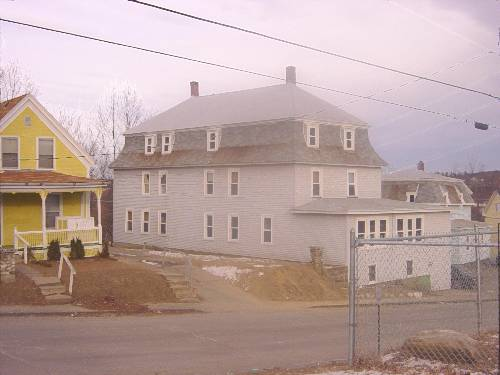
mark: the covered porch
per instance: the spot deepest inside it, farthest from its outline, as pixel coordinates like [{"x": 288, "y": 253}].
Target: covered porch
[{"x": 39, "y": 207}]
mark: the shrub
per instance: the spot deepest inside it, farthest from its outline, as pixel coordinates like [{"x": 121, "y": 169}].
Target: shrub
[
  {"x": 105, "y": 250},
  {"x": 54, "y": 250},
  {"x": 77, "y": 249}
]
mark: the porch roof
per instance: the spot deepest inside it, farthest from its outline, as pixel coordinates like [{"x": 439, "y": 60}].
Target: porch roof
[{"x": 28, "y": 179}]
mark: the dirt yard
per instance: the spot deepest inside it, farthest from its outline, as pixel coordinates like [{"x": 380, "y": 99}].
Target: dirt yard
[
  {"x": 21, "y": 292},
  {"x": 113, "y": 285}
]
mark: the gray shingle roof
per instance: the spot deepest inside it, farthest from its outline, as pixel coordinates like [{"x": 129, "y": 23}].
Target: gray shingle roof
[
  {"x": 285, "y": 101},
  {"x": 417, "y": 175},
  {"x": 342, "y": 206}
]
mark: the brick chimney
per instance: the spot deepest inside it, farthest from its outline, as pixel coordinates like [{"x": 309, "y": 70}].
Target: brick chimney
[
  {"x": 291, "y": 75},
  {"x": 420, "y": 166},
  {"x": 195, "y": 89}
]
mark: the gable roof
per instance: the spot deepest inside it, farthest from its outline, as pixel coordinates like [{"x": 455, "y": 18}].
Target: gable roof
[
  {"x": 14, "y": 106},
  {"x": 491, "y": 200},
  {"x": 278, "y": 102}
]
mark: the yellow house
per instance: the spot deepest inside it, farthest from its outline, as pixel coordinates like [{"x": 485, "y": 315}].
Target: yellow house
[
  {"x": 44, "y": 182},
  {"x": 492, "y": 217}
]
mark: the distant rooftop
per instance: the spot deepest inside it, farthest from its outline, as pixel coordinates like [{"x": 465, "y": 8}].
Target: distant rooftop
[{"x": 417, "y": 175}]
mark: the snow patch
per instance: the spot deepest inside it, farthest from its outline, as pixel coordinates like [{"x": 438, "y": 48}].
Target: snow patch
[
  {"x": 150, "y": 263},
  {"x": 230, "y": 273}
]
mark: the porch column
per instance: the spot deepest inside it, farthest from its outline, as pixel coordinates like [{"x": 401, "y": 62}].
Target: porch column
[
  {"x": 98, "y": 194},
  {"x": 43, "y": 196}
]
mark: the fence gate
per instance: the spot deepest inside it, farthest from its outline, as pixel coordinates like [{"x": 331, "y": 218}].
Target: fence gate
[{"x": 408, "y": 293}]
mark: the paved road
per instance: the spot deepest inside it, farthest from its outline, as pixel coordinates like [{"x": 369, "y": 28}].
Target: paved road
[{"x": 208, "y": 343}]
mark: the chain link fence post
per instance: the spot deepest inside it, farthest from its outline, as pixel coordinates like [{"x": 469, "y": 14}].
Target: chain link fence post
[
  {"x": 478, "y": 281},
  {"x": 352, "y": 297}
]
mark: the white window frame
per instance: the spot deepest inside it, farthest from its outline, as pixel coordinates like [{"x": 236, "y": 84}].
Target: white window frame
[
  {"x": 374, "y": 273},
  {"x": 410, "y": 223},
  {"x": 417, "y": 230},
  {"x": 262, "y": 229},
  {"x": 230, "y": 182},
  {"x": 379, "y": 228},
  {"x": 127, "y": 210},
  {"x": 357, "y": 228},
  {"x": 216, "y": 140},
  {"x": 18, "y": 152},
  {"x": 402, "y": 231},
  {"x": 370, "y": 233},
  {"x": 144, "y": 222},
  {"x": 316, "y": 136},
  {"x": 355, "y": 183},
  {"x": 143, "y": 185},
  {"x": 230, "y": 228},
  {"x": 160, "y": 222},
  {"x": 205, "y": 182},
  {"x": 152, "y": 138},
  {"x": 320, "y": 182},
  {"x": 352, "y": 139},
  {"x": 170, "y": 144},
  {"x": 161, "y": 173},
  {"x": 205, "y": 226},
  {"x": 38, "y": 139},
  {"x": 409, "y": 194}
]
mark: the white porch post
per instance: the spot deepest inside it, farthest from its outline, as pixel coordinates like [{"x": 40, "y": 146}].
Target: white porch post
[
  {"x": 98, "y": 194},
  {"x": 43, "y": 195}
]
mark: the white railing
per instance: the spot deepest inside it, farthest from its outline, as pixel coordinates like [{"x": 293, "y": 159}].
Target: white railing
[
  {"x": 64, "y": 236},
  {"x": 72, "y": 271},
  {"x": 74, "y": 222},
  {"x": 18, "y": 238}
]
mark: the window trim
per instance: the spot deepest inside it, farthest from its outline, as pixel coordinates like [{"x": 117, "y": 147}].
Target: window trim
[
  {"x": 18, "y": 152},
  {"x": 374, "y": 274},
  {"x": 217, "y": 140},
  {"x": 205, "y": 182},
  {"x": 153, "y": 144},
  {"x": 316, "y": 136},
  {"x": 161, "y": 173},
  {"x": 410, "y": 262},
  {"x": 59, "y": 211},
  {"x": 230, "y": 182},
  {"x": 386, "y": 227},
  {"x": 37, "y": 146},
  {"x": 143, "y": 185},
  {"x": 357, "y": 228},
  {"x": 143, "y": 222},
  {"x": 352, "y": 130},
  {"x": 403, "y": 230},
  {"x": 230, "y": 228},
  {"x": 409, "y": 194},
  {"x": 262, "y": 217},
  {"x": 205, "y": 226},
  {"x": 170, "y": 144},
  {"x": 320, "y": 182},
  {"x": 421, "y": 226},
  {"x": 127, "y": 210},
  {"x": 160, "y": 212},
  {"x": 355, "y": 183}
]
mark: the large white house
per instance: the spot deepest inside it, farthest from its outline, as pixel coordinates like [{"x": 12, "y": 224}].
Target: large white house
[{"x": 266, "y": 172}]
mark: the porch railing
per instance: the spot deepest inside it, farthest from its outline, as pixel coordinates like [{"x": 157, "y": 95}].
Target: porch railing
[{"x": 72, "y": 271}]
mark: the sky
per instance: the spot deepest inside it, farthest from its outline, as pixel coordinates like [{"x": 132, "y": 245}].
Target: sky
[{"x": 450, "y": 40}]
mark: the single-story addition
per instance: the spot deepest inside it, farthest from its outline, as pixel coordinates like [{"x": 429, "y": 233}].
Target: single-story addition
[{"x": 265, "y": 172}]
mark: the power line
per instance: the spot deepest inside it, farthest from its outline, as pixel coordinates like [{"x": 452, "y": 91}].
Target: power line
[
  {"x": 228, "y": 67},
  {"x": 305, "y": 46}
]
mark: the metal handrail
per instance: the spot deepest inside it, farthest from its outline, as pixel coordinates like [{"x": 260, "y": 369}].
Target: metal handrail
[{"x": 72, "y": 271}]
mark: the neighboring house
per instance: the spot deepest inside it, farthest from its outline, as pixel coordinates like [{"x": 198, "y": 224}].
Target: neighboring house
[
  {"x": 44, "y": 181},
  {"x": 266, "y": 172},
  {"x": 492, "y": 218},
  {"x": 462, "y": 255},
  {"x": 419, "y": 186}
]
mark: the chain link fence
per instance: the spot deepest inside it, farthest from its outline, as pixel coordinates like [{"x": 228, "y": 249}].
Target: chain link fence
[{"x": 432, "y": 297}]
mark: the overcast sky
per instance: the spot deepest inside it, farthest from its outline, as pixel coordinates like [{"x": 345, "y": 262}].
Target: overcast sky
[{"x": 456, "y": 38}]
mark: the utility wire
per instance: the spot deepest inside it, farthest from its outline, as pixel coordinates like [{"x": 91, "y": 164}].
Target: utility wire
[
  {"x": 305, "y": 46},
  {"x": 228, "y": 67}
]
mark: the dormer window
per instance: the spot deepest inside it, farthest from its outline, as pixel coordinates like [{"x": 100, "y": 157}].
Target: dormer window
[
  {"x": 167, "y": 143},
  {"x": 312, "y": 136},
  {"x": 213, "y": 140},
  {"x": 149, "y": 144},
  {"x": 348, "y": 139},
  {"x": 410, "y": 197}
]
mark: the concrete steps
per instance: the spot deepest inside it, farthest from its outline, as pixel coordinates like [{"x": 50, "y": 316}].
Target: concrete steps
[
  {"x": 51, "y": 287},
  {"x": 180, "y": 286}
]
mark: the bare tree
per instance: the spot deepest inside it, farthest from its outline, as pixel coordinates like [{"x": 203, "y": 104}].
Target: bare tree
[
  {"x": 14, "y": 82},
  {"x": 473, "y": 164}
]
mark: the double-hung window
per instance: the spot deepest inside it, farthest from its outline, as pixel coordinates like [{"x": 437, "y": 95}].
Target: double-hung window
[
  {"x": 167, "y": 142},
  {"x": 52, "y": 209},
  {"x": 146, "y": 183},
  {"x": 361, "y": 229},
  {"x": 400, "y": 227},
  {"x": 149, "y": 144},
  {"x": 212, "y": 140},
  {"x": 162, "y": 222},
  {"x": 129, "y": 217},
  {"x": 145, "y": 221},
  {"x": 373, "y": 231},
  {"x": 316, "y": 183},
  {"x": 383, "y": 228},
  {"x": 233, "y": 228},
  {"x": 418, "y": 226},
  {"x": 162, "y": 182},
  {"x": 410, "y": 197},
  {"x": 312, "y": 136},
  {"x": 348, "y": 139},
  {"x": 209, "y": 182},
  {"x": 209, "y": 226},
  {"x": 351, "y": 183},
  {"x": 409, "y": 227},
  {"x": 10, "y": 152},
  {"x": 46, "y": 155},
  {"x": 234, "y": 182},
  {"x": 267, "y": 229}
]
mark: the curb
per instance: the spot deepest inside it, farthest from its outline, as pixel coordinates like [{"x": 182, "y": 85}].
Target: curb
[{"x": 98, "y": 313}]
